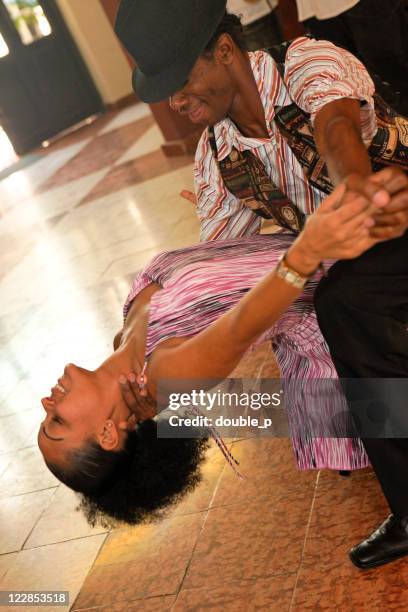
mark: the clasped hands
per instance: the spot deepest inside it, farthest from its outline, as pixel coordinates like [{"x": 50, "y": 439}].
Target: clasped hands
[{"x": 387, "y": 189}]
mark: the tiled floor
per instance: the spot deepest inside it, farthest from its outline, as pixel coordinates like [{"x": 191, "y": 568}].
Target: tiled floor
[{"x": 74, "y": 227}]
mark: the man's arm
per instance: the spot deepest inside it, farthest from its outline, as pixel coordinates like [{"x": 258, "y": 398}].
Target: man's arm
[
  {"x": 337, "y": 132},
  {"x": 338, "y": 136},
  {"x": 335, "y": 88}
]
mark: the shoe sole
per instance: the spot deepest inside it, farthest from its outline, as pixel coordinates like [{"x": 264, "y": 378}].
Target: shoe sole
[{"x": 374, "y": 564}]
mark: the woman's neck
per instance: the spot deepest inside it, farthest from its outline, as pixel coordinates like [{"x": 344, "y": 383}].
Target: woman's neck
[
  {"x": 133, "y": 341},
  {"x": 124, "y": 360}
]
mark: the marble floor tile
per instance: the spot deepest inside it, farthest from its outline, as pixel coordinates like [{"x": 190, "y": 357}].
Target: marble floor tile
[
  {"x": 36, "y": 209},
  {"x": 139, "y": 206},
  {"x": 61, "y": 566},
  {"x": 184, "y": 236},
  {"x": 6, "y": 561},
  {"x": 86, "y": 130},
  {"x": 151, "y": 141},
  {"x": 344, "y": 513},
  {"x": 101, "y": 152},
  {"x": 23, "y": 184},
  {"x": 61, "y": 521},
  {"x": 10, "y": 259},
  {"x": 150, "y": 604},
  {"x": 136, "y": 171},
  {"x": 18, "y": 516},
  {"x": 130, "y": 264},
  {"x": 110, "y": 221},
  {"x": 19, "y": 232},
  {"x": 17, "y": 430},
  {"x": 5, "y": 460},
  {"x": 11, "y": 373},
  {"x": 269, "y": 594},
  {"x": 267, "y": 526},
  {"x": 26, "y": 473},
  {"x": 24, "y": 396},
  {"x": 140, "y": 562},
  {"x": 127, "y": 115},
  {"x": 269, "y": 470},
  {"x": 346, "y": 588},
  {"x": 128, "y": 216}
]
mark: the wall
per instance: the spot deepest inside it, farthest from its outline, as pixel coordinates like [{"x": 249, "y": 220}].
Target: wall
[{"x": 99, "y": 47}]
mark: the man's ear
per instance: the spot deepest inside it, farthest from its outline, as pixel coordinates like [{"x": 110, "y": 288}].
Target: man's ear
[
  {"x": 109, "y": 437},
  {"x": 225, "y": 49}
]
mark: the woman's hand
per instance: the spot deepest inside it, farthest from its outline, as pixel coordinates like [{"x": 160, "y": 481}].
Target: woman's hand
[{"x": 136, "y": 400}]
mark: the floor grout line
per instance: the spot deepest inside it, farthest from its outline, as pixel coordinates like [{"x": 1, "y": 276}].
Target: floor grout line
[
  {"x": 207, "y": 512},
  {"x": 304, "y": 542}
]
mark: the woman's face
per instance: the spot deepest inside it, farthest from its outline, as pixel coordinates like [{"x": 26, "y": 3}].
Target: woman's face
[{"x": 83, "y": 404}]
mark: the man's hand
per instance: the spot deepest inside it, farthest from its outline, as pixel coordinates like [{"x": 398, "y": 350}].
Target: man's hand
[
  {"x": 387, "y": 189},
  {"x": 189, "y": 195},
  {"x": 372, "y": 190},
  {"x": 392, "y": 221}
]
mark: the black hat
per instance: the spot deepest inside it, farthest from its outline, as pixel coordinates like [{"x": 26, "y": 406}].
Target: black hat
[{"x": 166, "y": 37}]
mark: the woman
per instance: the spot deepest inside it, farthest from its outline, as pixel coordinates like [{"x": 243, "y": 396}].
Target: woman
[{"x": 89, "y": 437}]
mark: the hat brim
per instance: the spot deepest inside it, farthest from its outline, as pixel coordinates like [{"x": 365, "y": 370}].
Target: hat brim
[{"x": 164, "y": 84}]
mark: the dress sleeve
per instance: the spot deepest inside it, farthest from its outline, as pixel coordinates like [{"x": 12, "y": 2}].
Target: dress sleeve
[
  {"x": 317, "y": 73},
  {"x": 221, "y": 214}
]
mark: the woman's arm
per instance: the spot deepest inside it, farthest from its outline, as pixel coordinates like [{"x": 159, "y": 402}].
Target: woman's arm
[{"x": 332, "y": 232}]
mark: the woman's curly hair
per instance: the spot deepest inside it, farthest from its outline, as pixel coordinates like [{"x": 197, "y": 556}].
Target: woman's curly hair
[{"x": 136, "y": 483}]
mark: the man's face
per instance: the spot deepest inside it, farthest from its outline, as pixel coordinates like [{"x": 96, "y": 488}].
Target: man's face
[{"x": 207, "y": 96}]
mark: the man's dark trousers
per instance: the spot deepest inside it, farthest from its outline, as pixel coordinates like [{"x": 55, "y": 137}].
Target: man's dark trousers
[{"x": 362, "y": 309}]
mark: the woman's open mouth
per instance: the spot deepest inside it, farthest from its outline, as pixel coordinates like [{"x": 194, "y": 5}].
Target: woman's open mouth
[{"x": 58, "y": 389}]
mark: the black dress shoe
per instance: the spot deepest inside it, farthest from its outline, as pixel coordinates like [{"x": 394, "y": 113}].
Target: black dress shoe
[
  {"x": 345, "y": 473},
  {"x": 388, "y": 543}
]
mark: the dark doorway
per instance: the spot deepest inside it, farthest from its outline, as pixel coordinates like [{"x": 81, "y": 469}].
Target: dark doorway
[{"x": 45, "y": 87}]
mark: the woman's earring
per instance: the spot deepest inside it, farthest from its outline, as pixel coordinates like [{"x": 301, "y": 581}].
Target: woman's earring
[{"x": 142, "y": 380}]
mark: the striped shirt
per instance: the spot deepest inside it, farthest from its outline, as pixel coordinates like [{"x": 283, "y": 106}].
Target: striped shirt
[{"x": 316, "y": 73}]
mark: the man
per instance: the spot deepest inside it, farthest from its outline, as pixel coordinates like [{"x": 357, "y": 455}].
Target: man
[{"x": 194, "y": 55}]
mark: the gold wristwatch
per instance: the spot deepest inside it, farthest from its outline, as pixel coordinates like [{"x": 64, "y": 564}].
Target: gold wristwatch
[{"x": 290, "y": 276}]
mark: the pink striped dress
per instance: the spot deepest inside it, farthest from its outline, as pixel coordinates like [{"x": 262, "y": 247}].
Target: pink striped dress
[{"x": 202, "y": 282}]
